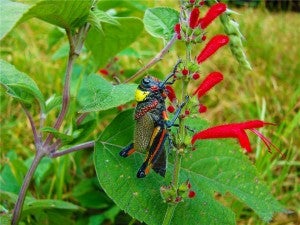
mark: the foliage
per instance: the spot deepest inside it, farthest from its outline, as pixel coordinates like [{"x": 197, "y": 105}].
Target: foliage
[{"x": 66, "y": 189}]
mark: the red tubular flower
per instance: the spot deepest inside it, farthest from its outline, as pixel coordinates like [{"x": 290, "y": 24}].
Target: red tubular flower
[
  {"x": 212, "y": 14},
  {"x": 235, "y": 130},
  {"x": 212, "y": 46},
  {"x": 194, "y": 17},
  {"x": 209, "y": 82},
  {"x": 171, "y": 93}
]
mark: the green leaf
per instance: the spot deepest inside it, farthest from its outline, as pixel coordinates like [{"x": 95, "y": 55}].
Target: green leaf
[
  {"x": 114, "y": 38},
  {"x": 217, "y": 166},
  {"x": 64, "y": 13},
  {"x": 160, "y": 21},
  {"x": 98, "y": 94},
  {"x": 53, "y": 102},
  {"x": 11, "y": 13},
  {"x": 65, "y": 138},
  {"x": 32, "y": 204},
  {"x": 19, "y": 85},
  {"x": 89, "y": 195}
]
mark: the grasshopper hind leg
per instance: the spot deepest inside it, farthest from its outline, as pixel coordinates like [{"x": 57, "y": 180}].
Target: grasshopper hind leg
[{"x": 127, "y": 151}]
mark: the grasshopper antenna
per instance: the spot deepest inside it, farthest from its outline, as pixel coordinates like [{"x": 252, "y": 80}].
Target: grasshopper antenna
[{"x": 171, "y": 75}]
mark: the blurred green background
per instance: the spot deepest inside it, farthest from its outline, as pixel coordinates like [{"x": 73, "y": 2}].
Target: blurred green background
[{"x": 271, "y": 91}]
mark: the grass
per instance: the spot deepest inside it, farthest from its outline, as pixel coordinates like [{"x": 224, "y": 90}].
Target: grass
[{"x": 271, "y": 91}]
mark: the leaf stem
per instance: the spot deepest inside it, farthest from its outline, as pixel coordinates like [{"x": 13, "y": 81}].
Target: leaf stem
[
  {"x": 89, "y": 144},
  {"x": 36, "y": 137},
  {"x": 154, "y": 60},
  {"x": 76, "y": 43},
  {"x": 19, "y": 204}
]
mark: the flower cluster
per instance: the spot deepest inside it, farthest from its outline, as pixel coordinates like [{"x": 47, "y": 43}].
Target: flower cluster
[
  {"x": 173, "y": 195},
  {"x": 191, "y": 29}
]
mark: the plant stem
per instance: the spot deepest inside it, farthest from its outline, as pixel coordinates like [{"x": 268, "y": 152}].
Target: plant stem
[
  {"x": 19, "y": 204},
  {"x": 76, "y": 44},
  {"x": 154, "y": 60},
  {"x": 36, "y": 137},
  {"x": 85, "y": 145},
  {"x": 169, "y": 214}
]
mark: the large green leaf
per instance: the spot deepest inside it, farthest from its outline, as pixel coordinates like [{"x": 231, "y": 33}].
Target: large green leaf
[
  {"x": 216, "y": 166},
  {"x": 98, "y": 94},
  {"x": 11, "y": 13},
  {"x": 160, "y": 21},
  {"x": 19, "y": 85},
  {"x": 113, "y": 39},
  {"x": 64, "y": 13}
]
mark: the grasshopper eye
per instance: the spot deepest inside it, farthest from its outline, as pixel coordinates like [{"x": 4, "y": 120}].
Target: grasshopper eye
[{"x": 146, "y": 82}]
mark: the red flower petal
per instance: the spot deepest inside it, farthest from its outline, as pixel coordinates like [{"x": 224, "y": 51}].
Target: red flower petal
[
  {"x": 244, "y": 140},
  {"x": 212, "y": 13},
  {"x": 194, "y": 16},
  {"x": 212, "y": 46},
  {"x": 210, "y": 81},
  {"x": 235, "y": 130}
]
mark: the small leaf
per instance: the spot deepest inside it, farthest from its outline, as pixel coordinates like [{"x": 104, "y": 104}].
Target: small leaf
[
  {"x": 11, "y": 12},
  {"x": 19, "y": 85},
  {"x": 103, "y": 17},
  {"x": 98, "y": 94},
  {"x": 114, "y": 38},
  {"x": 32, "y": 204},
  {"x": 160, "y": 21},
  {"x": 63, "y": 137},
  {"x": 53, "y": 102}
]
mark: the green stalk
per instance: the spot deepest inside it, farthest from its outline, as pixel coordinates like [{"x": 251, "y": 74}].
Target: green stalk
[
  {"x": 169, "y": 214},
  {"x": 181, "y": 136}
]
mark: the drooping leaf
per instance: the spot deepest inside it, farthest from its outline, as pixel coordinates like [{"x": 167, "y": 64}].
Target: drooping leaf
[
  {"x": 98, "y": 94},
  {"x": 160, "y": 21},
  {"x": 11, "y": 13},
  {"x": 216, "y": 166},
  {"x": 127, "y": 5},
  {"x": 19, "y": 85},
  {"x": 114, "y": 38},
  {"x": 31, "y": 205},
  {"x": 65, "y": 14}
]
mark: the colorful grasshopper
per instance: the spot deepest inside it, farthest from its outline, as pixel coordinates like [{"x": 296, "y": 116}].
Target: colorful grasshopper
[{"x": 152, "y": 124}]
